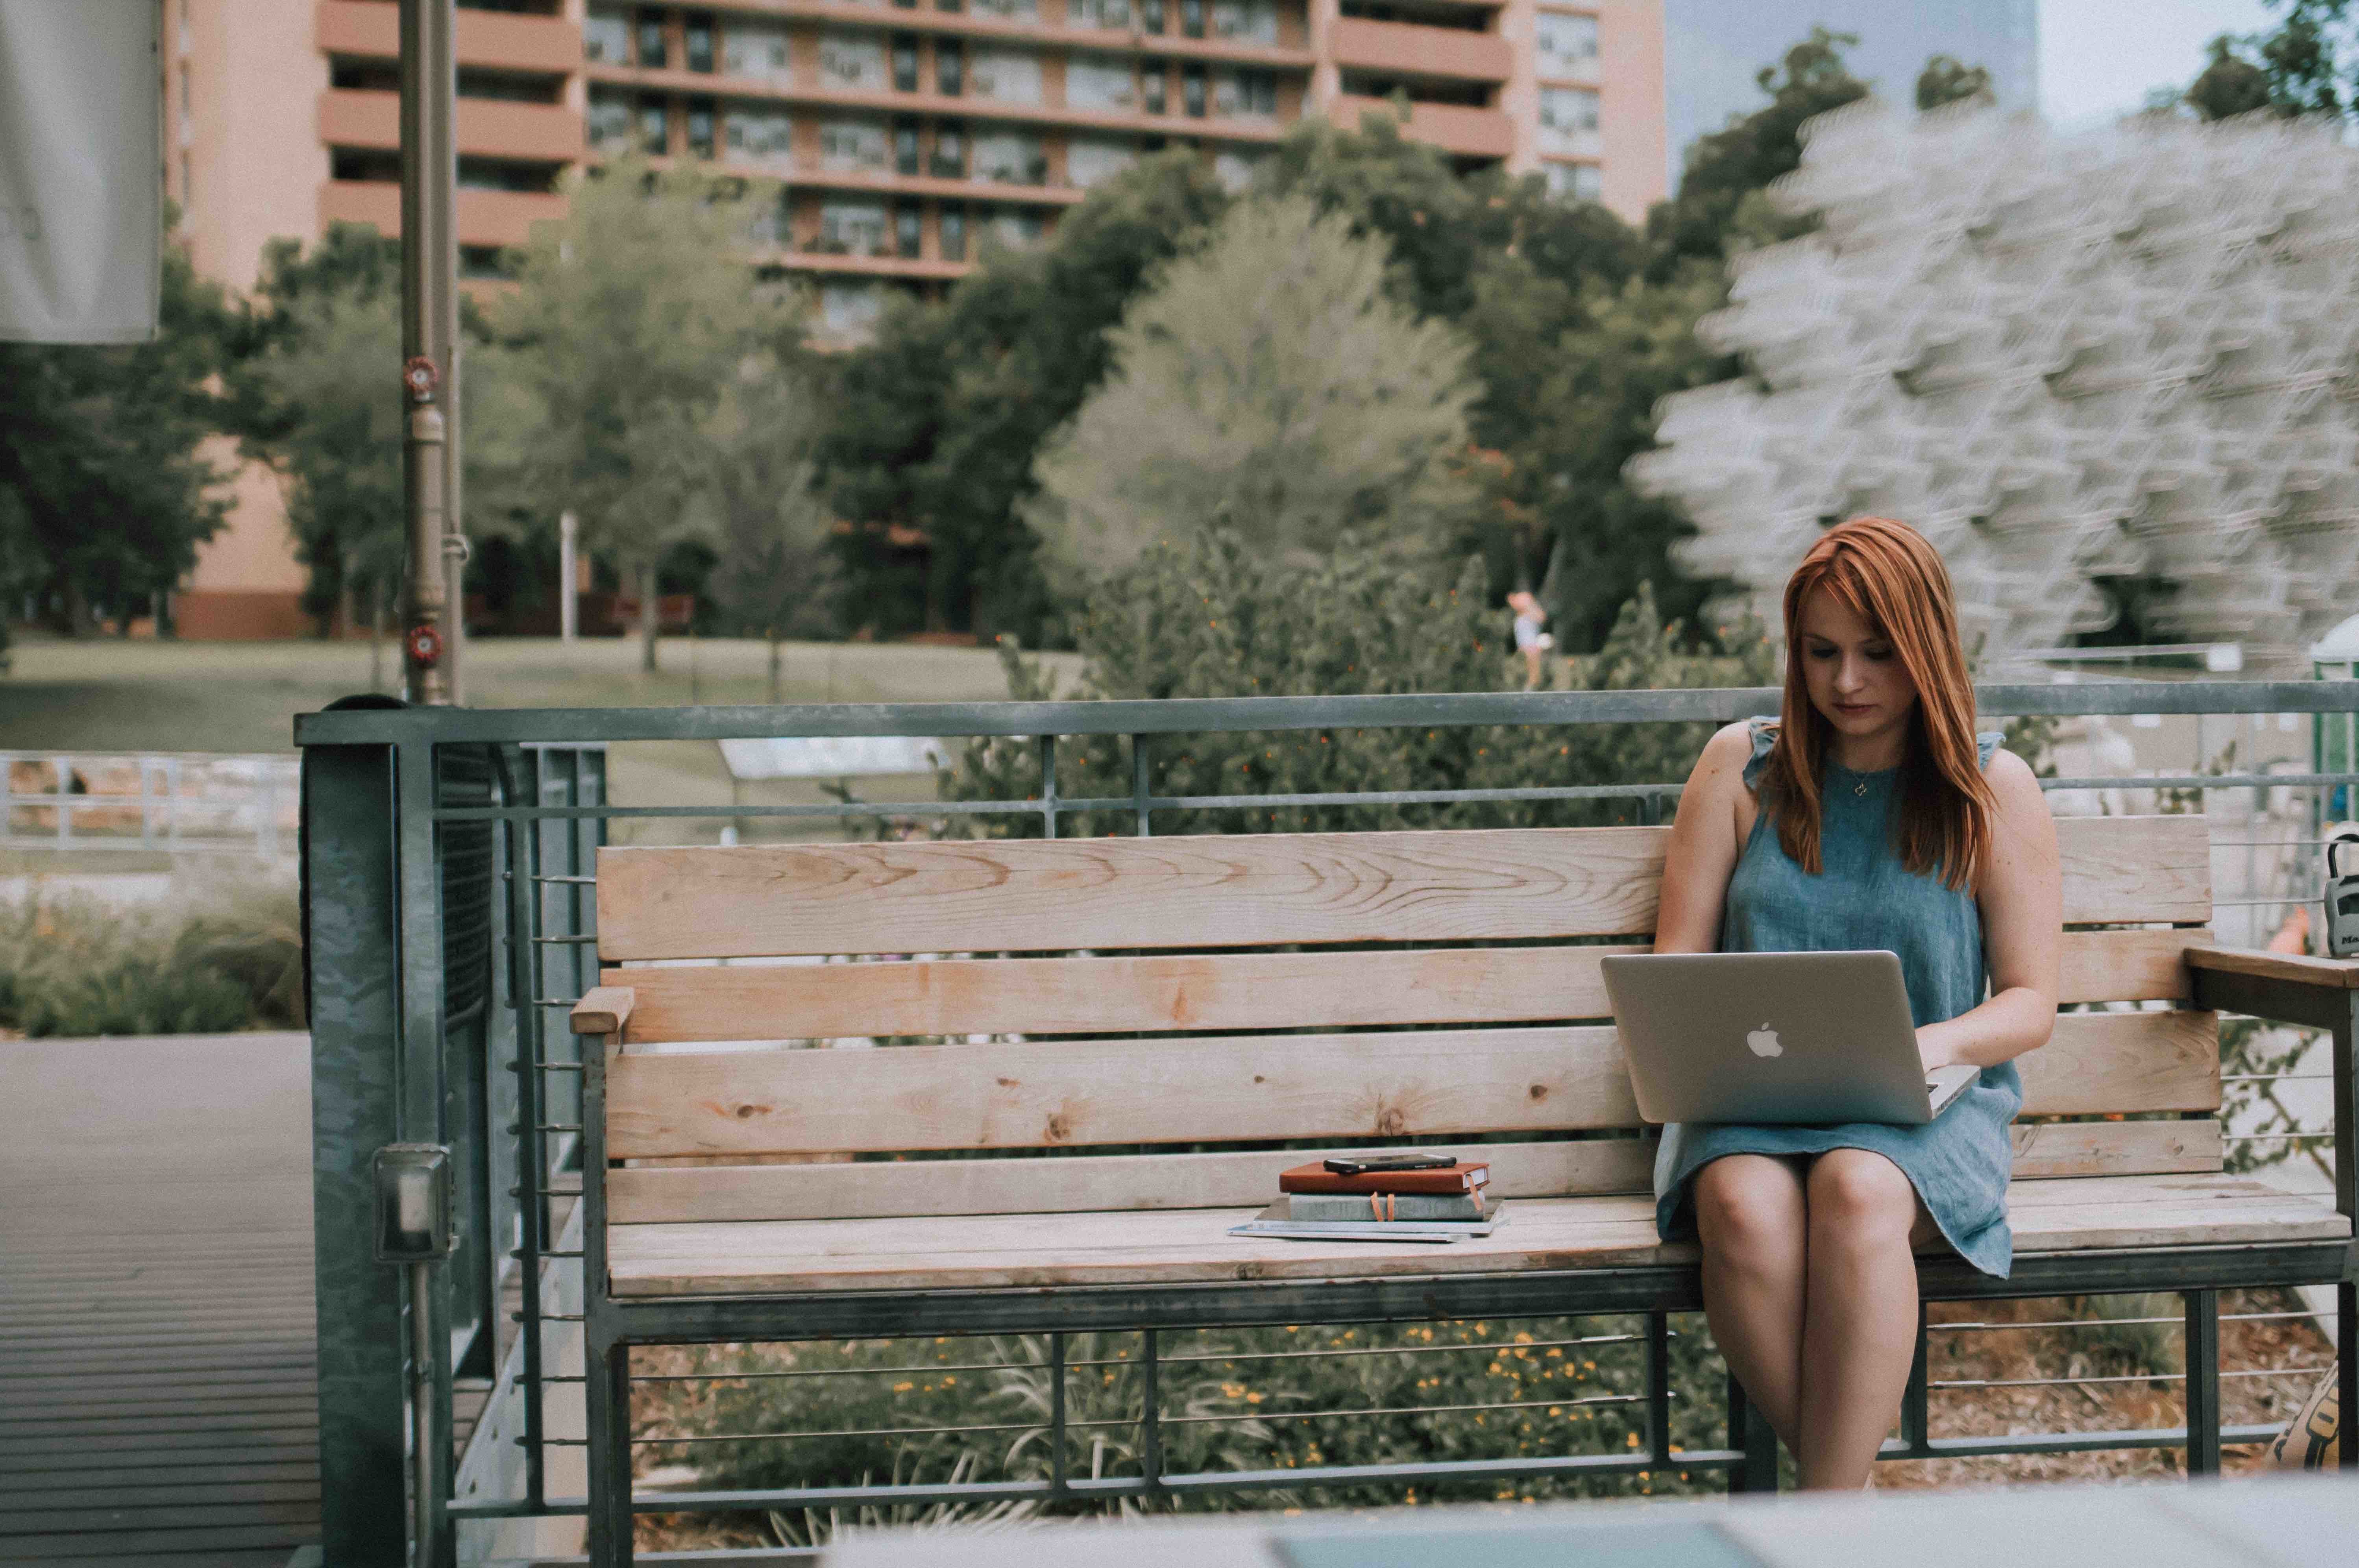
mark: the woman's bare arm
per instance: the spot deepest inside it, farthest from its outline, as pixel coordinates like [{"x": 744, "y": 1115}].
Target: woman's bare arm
[
  {"x": 1705, "y": 842},
  {"x": 2022, "y": 897}
]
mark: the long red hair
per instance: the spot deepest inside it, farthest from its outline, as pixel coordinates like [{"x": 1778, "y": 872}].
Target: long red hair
[{"x": 1887, "y": 575}]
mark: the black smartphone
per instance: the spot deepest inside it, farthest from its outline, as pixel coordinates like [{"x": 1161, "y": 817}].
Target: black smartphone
[{"x": 1372, "y": 1163}]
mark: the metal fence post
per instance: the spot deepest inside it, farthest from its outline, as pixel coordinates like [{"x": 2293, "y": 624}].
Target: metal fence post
[
  {"x": 2203, "y": 1346},
  {"x": 351, "y": 918},
  {"x": 1749, "y": 1431}
]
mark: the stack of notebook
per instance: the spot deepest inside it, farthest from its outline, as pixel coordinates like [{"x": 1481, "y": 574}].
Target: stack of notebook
[{"x": 1388, "y": 1197}]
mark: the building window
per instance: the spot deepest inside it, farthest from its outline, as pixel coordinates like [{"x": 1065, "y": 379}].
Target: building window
[
  {"x": 1007, "y": 10},
  {"x": 1567, "y": 45},
  {"x": 950, "y": 4},
  {"x": 1011, "y": 158},
  {"x": 609, "y": 121},
  {"x": 950, "y": 151},
  {"x": 1114, "y": 14},
  {"x": 950, "y": 67},
  {"x": 1008, "y": 75},
  {"x": 850, "y": 311},
  {"x": 504, "y": 86},
  {"x": 1150, "y": 16},
  {"x": 770, "y": 225},
  {"x": 1017, "y": 228},
  {"x": 757, "y": 48},
  {"x": 1255, "y": 20},
  {"x": 696, "y": 40},
  {"x": 1245, "y": 94},
  {"x": 905, "y": 62},
  {"x": 482, "y": 262},
  {"x": 1154, "y": 80},
  {"x": 905, "y": 146},
  {"x": 607, "y": 35},
  {"x": 1568, "y": 120},
  {"x": 1580, "y": 182},
  {"x": 1191, "y": 90},
  {"x": 1234, "y": 169},
  {"x": 851, "y": 145},
  {"x": 699, "y": 127},
  {"x": 759, "y": 134},
  {"x": 1098, "y": 81},
  {"x": 655, "y": 132},
  {"x": 852, "y": 228},
  {"x": 952, "y": 224},
  {"x": 1192, "y": 18},
  {"x": 653, "y": 49},
  {"x": 1090, "y": 159},
  {"x": 501, "y": 174},
  {"x": 908, "y": 234},
  {"x": 852, "y": 62}
]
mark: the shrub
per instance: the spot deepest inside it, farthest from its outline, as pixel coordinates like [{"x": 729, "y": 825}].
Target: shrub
[{"x": 75, "y": 965}]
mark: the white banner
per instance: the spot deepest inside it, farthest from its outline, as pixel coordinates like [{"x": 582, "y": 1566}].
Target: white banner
[
  {"x": 834, "y": 757},
  {"x": 81, "y": 170}
]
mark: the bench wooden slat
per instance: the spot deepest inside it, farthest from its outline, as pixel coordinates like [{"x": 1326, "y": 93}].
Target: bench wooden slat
[
  {"x": 1244, "y": 1088},
  {"x": 1245, "y": 890},
  {"x": 1229, "y": 991},
  {"x": 1189, "y": 1245},
  {"x": 640, "y": 1194}
]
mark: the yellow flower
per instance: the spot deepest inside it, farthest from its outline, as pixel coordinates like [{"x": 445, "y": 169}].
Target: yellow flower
[{"x": 903, "y": 1387}]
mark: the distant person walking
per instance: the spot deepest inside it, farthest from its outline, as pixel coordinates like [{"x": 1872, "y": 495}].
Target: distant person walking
[{"x": 1531, "y": 641}]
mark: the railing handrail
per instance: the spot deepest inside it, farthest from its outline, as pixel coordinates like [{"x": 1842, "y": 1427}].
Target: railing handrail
[{"x": 1201, "y": 715}]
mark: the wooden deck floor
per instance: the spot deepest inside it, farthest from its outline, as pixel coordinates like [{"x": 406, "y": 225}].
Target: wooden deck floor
[{"x": 157, "y": 1357}]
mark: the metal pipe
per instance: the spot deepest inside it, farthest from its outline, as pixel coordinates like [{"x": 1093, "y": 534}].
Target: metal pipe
[
  {"x": 569, "y": 577},
  {"x": 423, "y": 1478},
  {"x": 429, "y": 348}
]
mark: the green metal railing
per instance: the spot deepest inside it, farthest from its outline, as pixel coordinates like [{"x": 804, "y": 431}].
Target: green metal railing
[{"x": 448, "y": 867}]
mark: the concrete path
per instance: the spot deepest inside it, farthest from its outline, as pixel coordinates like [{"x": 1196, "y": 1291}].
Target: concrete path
[{"x": 157, "y": 1360}]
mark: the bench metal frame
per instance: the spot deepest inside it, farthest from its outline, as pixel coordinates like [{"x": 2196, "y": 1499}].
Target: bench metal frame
[{"x": 390, "y": 1066}]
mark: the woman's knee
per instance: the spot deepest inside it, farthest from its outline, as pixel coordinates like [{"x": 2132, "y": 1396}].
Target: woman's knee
[
  {"x": 1858, "y": 1195},
  {"x": 1747, "y": 1202}
]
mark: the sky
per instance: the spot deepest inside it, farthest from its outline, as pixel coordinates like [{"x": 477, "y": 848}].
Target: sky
[{"x": 2099, "y": 57}]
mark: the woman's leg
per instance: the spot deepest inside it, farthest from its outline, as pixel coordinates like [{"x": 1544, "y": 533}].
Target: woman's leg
[
  {"x": 1860, "y": 1330},
  {"x": 1751, "y": 1220}
]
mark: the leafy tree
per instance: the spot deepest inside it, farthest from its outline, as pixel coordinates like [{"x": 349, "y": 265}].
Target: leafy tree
[
  {"x": 771, "y": 525},
  {"x": 628, "y": 320},
  {"x": 1946, "y": 80},
  {"x": 2309, "y": 66},
  {"x": 103, "y": 493},
  {"x": 317, "y": 398},
  {"x": 1268, "y": 381},
  {"x": 936, "y": 425}
]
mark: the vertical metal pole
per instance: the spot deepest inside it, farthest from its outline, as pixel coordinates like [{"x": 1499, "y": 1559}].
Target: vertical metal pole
[
  {"x": 426, "y": 1458},
  {"x": 2202, "y": 1346},
  {"x": 423, "y": 1095},
  {"x": 351, "y": 916},
  {"x": 1056, "y": 1413},
  {"x": 1915, "y": 1420},
  {"x": 1658, "y": 1388},
  {"x": 430, "y": 334},
  {"x": 532, "y": 1208},
  {"x": 1150, "y": 1429},
  {"x": 605, "y": 1361},
  {"x": 2345, "y": 1043},
  {"x": 1048, "y": 785},
  {"x": 569, "y": 577},
  {"x": 1138, "y": 781},
  {"x": 1751, "y": 1433}
]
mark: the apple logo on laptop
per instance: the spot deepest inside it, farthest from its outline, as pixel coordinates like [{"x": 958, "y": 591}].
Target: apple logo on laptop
[{"x": 1763, "y": 1041}]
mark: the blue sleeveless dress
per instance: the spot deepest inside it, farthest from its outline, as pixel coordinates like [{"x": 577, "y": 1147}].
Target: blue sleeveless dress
[{"x": 1866, "y": 899}]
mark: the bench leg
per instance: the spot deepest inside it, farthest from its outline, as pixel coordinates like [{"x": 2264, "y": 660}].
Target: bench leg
[
  {"x": 1750, "y": 1431},
  {"x": 2203, "y": 1346},
  {"x": 608, "y": 1396},
  {"x": 2347, "y": 1374}
]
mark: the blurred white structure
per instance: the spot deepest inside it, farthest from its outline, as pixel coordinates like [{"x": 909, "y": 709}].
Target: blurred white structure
[{"x": 2124, "y": 353}]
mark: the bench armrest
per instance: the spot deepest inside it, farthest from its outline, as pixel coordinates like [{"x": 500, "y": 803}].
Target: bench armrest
[
  {"x": 2284, "y": 987},
  {"x": 605, "y": 1010},
  {"x": 2332, "y": 974}
]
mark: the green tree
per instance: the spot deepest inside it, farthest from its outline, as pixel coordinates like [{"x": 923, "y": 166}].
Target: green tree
[
  {"x": 317, "y": 396},
  {"x": 104, "y": 495},
  {"x": 2308, "y": 66},
  {"x": 1268, "y": 381},
  {"x": 1946, "y": 80},
  {"x": 937, "y": 424},
  {"x": 628, "y": 320},
  {"x": 770, "y": 526}
]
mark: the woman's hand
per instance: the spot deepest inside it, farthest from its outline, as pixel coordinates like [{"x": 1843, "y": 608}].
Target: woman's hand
[{"x": 1934, "y": 1047}]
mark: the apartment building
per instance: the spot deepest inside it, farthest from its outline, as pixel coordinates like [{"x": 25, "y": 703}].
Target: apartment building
[{"x": 903, "y": 134}]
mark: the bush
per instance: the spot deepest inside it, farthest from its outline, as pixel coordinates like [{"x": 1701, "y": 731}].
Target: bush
[
  {"x": 1216, "y": 616},
  {"x": 76, "y": 966}
]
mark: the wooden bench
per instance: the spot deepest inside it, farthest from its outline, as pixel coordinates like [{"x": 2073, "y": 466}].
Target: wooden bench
[{"x": 1347, "y": 990}]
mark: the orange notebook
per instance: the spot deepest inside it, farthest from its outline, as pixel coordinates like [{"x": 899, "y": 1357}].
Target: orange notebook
[{"x": 1461, "y": 1177}]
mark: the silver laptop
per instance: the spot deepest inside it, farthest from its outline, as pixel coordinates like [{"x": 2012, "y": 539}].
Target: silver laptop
[{"x": 1813, "y": 1038}]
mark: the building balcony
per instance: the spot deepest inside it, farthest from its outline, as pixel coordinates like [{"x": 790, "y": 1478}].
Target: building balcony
[
  {"x": 503, "y": 218},
  {"x": 370, "y": 30},
  {"x": 811, "y": 176},
  {"x": 539, "y": 133},
  {"x": 1214, "y": 127},
  {"x": 1100, "y": 40},
  {"x": 1402, "y": 48},
  {"x": 1474, "y": 133},
  {"x": 812, "y": 260}
]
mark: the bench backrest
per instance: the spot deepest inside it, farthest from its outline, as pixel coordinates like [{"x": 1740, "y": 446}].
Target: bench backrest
[{"x": 1238, "y": 990}]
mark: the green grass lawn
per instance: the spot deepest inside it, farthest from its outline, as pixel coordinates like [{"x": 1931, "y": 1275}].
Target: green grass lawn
[{"x": 106, "y": 696}]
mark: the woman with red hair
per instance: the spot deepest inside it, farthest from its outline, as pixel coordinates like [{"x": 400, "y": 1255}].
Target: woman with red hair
[{"x": 1869, "y": 815}]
